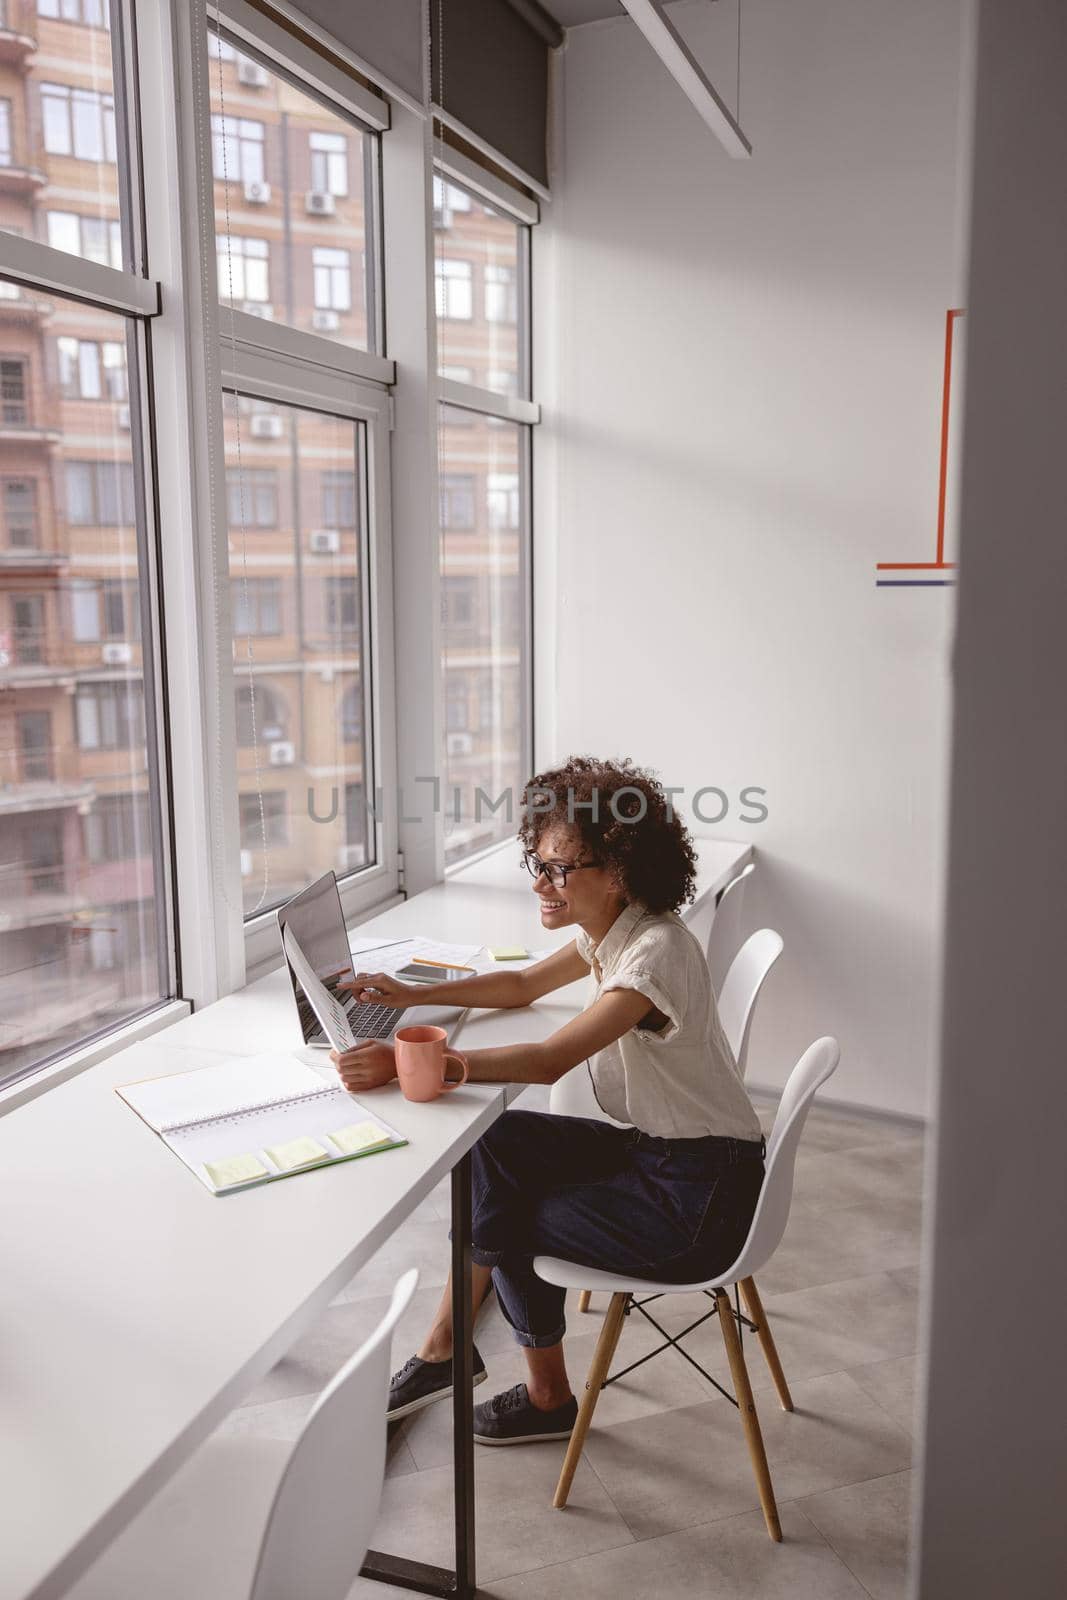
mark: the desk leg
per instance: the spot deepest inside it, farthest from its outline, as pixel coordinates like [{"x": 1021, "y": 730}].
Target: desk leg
[
  {"x": 419, "y": 1575},
  {"x": 463, "y": 1380}
]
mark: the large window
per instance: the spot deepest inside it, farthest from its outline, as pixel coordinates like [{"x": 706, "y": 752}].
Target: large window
[
  {"x": 302, "y": 185},
  {"x": 483, "y": 459},
  {"x": 85, "y": 936}
]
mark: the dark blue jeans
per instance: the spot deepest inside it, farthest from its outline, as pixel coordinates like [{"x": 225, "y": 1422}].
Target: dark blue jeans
[{"x": 675, "y": 1210}]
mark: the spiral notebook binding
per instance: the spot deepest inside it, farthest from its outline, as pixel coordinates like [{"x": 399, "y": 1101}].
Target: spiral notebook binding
[{"x": 253, "y": 1108}]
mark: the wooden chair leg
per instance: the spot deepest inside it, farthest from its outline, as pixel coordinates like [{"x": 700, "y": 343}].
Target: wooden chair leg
[
  {"x": 598, "y": 1371},
  {"x": 583, "y": 1300},
  {"x": 754, "y": 1307},
  {"x": 749, "y": 1419}
]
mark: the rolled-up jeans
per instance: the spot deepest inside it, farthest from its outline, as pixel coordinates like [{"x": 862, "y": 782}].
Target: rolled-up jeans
[{"x": 673, "y": 1210}]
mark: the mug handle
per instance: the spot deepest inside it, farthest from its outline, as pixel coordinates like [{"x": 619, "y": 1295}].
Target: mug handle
[{"x": 454, "y": 1083}]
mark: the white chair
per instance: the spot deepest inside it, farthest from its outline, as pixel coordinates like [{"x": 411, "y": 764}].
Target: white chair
[
  {"x": 725, "y": 933},
  {"x": 260, "y": 1519},
  {"x": 573, "y": 1096},
  {"x": 764, "y": 1237},
  {"x": 741, "y": 987}
]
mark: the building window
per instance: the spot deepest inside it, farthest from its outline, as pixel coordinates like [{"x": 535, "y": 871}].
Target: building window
[
  {"x": 91, "y": 371},
  {"x": 500, "y": 297},
  {"x": 92, "y": 238},
  {"x": 27, "y": 616},
  {"x": 257, "y": 606},
  {"x": 100, "y": 494},
  {"x": 237, "y": 146},
  {"x": 35, "y": 745},
  {"x": 459, "y": 603},
  {"x": 109, "y": 716},
  {"x": 118, "y": 828},
  {"x": 339, "y": 500},
  {"x": 456, "y": 706},
  {"x": 454, "y": 288},
  {"x": 5, "y": 133},
  {"x": 329, "y": 163},
  {"x": 94, "y": 13},
  {"x": 457, "y": 500},
  {"x": 252, "y": 497},
  {"x": 243, "y": 266},
  {"x": 352, "y": 715},
  {"x": 13, "y": 403},
  {"x": 502, "y": 499},
  {"x": 20, "y": 512},
  {"x": 273, "y": 820},
  {"x": 333, "y": 279},
  {"x": 261, "y": 715},
  {"x": 78, "y": 122},
  {"x": 342, "y": 604},
  {"x": 447, "y": 200}
]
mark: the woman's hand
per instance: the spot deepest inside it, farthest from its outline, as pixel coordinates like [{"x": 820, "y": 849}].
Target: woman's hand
[
  {"x": 378, "y": 988},
  {"x": 367, "y": 1066}
]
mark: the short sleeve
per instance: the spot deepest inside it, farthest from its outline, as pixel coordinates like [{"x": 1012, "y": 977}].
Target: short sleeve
[{"x": 654, "y": 991}]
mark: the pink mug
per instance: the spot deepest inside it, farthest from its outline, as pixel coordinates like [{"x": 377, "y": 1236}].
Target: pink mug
[{"x": 420, "y": 1063}]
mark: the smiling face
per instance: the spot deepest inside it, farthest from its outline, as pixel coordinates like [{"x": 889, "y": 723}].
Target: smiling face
[{"x": 590, "y": 897}]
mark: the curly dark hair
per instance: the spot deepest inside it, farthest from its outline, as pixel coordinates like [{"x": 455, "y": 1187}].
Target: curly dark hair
[{"x": 633, "y": 830}]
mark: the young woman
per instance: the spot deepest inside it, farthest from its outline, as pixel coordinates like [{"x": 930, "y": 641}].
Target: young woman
[{"x": 668, "y": 1196}]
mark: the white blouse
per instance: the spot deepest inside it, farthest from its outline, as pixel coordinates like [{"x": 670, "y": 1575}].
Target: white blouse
[{"x": 680, "y": 1082}]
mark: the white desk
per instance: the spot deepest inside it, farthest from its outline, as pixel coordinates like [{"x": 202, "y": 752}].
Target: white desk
[{"x": 137, "y": 1309}]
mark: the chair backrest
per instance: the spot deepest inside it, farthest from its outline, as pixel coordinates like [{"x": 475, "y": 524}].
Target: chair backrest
[
  {"x": 326, "y": 1504},
  {"x": 741, "y": 987},
  {"x": 772, "y": 1210},
  {"x": 725, "y": 933}
]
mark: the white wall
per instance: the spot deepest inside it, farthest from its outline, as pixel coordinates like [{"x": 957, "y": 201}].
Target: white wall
[
  {"x": 741, "y": 369},
  {"x": 995, "y": 1459}
]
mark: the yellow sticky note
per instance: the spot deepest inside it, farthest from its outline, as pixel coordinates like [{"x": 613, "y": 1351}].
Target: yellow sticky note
[
  {"x": 234, "y": 1169},
  {"x": 508, "y": 952},
  {"x": 297, "y": 1153},
  {"x": 358, "y": 1136}
]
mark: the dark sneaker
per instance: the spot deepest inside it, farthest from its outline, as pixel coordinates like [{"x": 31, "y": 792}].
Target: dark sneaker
[
  {"x": 420, "y": 1383},
  {"x": 510, "y": 1418}
]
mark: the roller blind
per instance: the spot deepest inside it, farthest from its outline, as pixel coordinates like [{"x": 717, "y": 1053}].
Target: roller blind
[
  {"x": 386, "y": 34},
  {"x": 490, "y": 71}
]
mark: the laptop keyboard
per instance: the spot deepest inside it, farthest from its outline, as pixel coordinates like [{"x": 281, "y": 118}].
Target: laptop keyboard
[{"x": 371, "y": 1021}]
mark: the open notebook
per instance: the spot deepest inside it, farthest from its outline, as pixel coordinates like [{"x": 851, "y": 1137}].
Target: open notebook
[{"x": 257, "y": 1118}]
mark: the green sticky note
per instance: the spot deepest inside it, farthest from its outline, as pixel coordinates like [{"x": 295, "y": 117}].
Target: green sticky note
[
  {"x": 358, "y": 1136},
  {"x": 508, "y": 952},
  {"x": 297, "y": 1153},
  {"x": 234, "y": 1169}
]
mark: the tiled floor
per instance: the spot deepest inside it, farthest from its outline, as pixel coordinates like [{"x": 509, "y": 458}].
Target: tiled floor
[{"x": 664, "y": 1503}]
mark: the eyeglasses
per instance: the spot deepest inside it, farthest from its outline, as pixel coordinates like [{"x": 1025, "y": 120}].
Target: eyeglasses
[{"x": 555, "y": 872}]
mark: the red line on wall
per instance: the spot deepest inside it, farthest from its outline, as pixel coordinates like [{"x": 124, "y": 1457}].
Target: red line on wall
[{"x": 950, "y": 319}]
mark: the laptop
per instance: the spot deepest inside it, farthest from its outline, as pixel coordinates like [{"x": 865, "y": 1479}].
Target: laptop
[{"x": 315, "y": 919}]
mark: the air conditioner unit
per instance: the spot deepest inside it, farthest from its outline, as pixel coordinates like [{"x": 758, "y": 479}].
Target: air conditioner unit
[
  {"x": 246, "y": 863},
  {"x": 251, "y": 74},
  {"x": 256, "y": 308},
  {"x": 116, "y": 655},
  {"x": 282, "y": 754},
  {"x": 350, "y": 856},
  {"x": 265, "y": 425},
  {"x": 324, "y": 542},
  {"x": 319, "y": 203},
  {"x": 257, "y": 192},
  {"x": 459, "y": 744},
  {"x": 325, "y": 321},
  {"x": 124, "y": 417}
]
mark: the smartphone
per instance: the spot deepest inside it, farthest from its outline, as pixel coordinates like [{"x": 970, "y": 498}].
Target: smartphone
[{"x": 423, "y": 972}]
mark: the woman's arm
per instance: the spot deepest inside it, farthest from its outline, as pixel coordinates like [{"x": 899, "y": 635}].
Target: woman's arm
[
  {"x": 615, "y": 1013},
  {"x": 505, "y": 990}
]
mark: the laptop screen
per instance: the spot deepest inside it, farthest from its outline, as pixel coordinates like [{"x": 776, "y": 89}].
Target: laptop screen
[{"x": 318, "y": 925}]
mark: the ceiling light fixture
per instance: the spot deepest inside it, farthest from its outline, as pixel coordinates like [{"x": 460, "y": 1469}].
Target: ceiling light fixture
[{"x": 686, "y": 71}]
